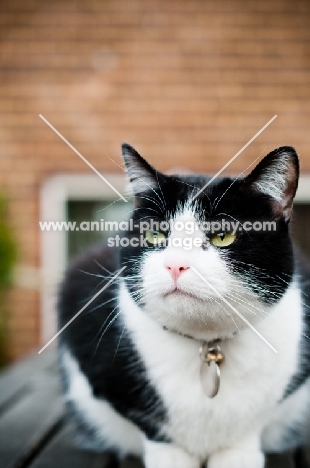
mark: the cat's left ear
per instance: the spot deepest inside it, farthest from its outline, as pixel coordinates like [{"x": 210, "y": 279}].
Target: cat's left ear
[
  {"x": 277, "y": 176},
  {"x": 143, "y": 177}
]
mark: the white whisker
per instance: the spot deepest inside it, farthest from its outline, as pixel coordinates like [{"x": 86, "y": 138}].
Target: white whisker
[{"x": 235, "y": 310}]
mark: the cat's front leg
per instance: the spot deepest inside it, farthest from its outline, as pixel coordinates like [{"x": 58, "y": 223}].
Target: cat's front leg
[
  {"x": 234, "y": 458},
  {"x": 246, "y": 454},
  {"x": 165, "y": 455}
]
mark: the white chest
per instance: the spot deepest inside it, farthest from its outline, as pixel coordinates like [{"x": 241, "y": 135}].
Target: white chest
[{"x": 253, "y": 377}]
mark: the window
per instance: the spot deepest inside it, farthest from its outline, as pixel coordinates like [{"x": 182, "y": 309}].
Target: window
[
  {"x": 64, "y": 198},
  {"x": 91, "y": 213},
  {"x": 300, "y": 227}
]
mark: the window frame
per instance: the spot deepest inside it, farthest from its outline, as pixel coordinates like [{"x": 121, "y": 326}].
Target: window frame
[{"x": 55, "y": 193}]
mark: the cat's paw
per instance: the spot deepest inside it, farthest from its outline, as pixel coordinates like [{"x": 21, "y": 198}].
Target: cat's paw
[
  {"x": 159, "y": 455},
  {"x": 232, "y": 458}
]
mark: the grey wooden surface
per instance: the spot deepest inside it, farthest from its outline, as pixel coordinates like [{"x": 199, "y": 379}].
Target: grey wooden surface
[{"x": 35, "y": 431}]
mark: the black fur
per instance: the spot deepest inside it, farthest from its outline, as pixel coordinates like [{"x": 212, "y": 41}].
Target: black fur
[
  {"x": 111, "y": 364},
  {"x": 303, "y": 371}
]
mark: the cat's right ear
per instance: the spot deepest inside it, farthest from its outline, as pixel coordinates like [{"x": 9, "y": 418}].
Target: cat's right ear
[
  {"x": 143, "y": 177},
  {"x": 276, "y": 176}
]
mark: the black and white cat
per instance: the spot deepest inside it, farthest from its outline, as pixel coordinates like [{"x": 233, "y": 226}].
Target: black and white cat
[{"x": 131, "y": 362}]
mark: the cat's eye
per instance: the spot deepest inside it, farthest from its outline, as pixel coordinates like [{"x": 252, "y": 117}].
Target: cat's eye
[
  {"x": 223, "y": 239},
  {"x": 155, "y": 237}
]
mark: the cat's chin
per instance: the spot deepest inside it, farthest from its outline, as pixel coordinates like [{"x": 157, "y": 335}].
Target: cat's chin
[
  {"x": 185, "y": 313},
  {"x": 205, "y": 318},
  {"x": 192, "y": 327},
  {"x": 180, "y": 303}
]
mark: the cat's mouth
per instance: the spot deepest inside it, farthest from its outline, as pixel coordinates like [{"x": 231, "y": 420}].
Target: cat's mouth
[{"x": 177, "y": 292}]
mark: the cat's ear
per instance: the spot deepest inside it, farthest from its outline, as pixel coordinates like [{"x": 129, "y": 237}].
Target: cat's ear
[
  {"x": 143, "y": 177},
  {"x": 277, "y": 176}
]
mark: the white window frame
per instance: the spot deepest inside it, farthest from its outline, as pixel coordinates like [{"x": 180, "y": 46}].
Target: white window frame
[
  {"x": 55, "y": 193},
  {"x": 303, "y": 191}
]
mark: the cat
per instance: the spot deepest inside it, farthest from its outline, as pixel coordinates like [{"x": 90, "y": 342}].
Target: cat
[{"x": 136, "y": 362}]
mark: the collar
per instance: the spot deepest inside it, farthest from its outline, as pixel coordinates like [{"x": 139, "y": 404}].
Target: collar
[
  {"x": 199, "y": 340},
  {"x": 211, "y": 356}
]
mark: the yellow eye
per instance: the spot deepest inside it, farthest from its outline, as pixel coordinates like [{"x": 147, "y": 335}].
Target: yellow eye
[
  {"x": 155, "y": 237},
  {"x": 223, "y": 239}
]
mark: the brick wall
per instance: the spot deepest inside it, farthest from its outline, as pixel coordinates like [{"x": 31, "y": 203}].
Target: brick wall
[{"x": 187, "y": 82}]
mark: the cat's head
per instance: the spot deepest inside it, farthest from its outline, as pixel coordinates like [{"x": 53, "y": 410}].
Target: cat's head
[{"x": 196, "y": 247}]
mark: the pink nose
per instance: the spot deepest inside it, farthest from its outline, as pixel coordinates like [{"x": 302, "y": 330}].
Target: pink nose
[{"x": 176, "y": 270}]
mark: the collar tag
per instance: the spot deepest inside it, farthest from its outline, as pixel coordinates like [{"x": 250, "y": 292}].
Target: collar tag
[{"x": 211, "y": 356}]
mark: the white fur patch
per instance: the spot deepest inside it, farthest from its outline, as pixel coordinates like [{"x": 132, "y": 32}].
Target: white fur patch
[
  {"x": 114, "y": 430},
  {"x": 159, "y": 455},
  {"x": 232, "y": 458}
]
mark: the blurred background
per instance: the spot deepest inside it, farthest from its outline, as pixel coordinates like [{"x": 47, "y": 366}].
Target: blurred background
[{"x": 187, "y": 82}]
